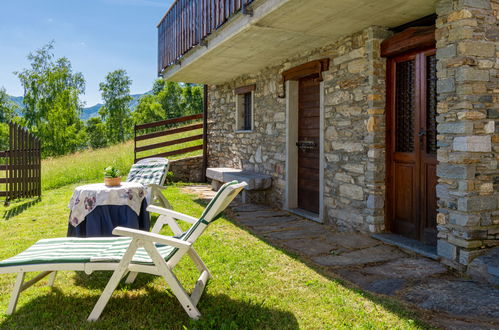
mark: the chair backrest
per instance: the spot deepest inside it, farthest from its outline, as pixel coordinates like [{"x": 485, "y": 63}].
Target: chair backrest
[
  {"x": 217, "y": 205},
  {"x": 149, "y": 171}
]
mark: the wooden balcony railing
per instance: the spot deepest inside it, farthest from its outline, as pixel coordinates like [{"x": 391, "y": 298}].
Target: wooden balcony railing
[{"x": 188, "y": 22}]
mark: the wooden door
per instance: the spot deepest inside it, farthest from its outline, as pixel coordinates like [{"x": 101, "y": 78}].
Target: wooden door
[
  {"x": 308, "y": 143},
  {"x": 411, "y": 145}
]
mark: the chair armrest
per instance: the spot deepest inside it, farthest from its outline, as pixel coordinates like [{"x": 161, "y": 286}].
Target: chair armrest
[
  {"x": 156, "y": 186},
  {"x": 171, "y": 213},
  {"x": 151, "y": 237}
]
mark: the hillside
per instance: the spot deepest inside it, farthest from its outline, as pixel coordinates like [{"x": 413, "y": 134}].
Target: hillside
[
  {"x": 89, "y": 164},
  {"x": 92, "y": 111}
]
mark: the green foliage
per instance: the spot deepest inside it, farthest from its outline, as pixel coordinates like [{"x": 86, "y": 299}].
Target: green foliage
[
  {"x": 8, "y": 110},
  {"x": 4, "y": 136},
  {"x": 52, "y": 105},
  {"x": 96, "y": 133},
  {"x": 158, "y": 86},
  {"x": 169, "y": 100},
  {"x": 192, "y": 99},
  {"x": 111, "y": 172},
  {"x": 116, "y": 110}
]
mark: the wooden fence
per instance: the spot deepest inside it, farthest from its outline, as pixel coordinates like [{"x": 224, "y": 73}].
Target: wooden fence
[
  {"x": 161, "y": 125},
  {"x": 20, "y": 166},
  {"x": 188, "y": 22}
]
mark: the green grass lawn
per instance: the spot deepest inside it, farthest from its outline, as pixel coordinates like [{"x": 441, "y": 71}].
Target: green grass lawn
[
  {"x": 90, "y": 164},
  {"x": 255, "y": 285}
]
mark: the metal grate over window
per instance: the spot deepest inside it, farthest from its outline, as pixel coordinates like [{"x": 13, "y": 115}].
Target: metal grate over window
[
  {"x": 247, "y": 111},
  {"x": 431, "y": 104},
  {"x": 405, "y": 106}
]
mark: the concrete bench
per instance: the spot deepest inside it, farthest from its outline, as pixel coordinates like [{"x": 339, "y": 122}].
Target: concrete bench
[{"x": 255, "y": 181}]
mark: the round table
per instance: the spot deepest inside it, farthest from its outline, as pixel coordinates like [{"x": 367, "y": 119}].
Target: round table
[{"x": 97, "y": 209}]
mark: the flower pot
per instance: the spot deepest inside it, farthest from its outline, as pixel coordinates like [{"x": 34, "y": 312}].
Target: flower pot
[{"x": 112, "y": 182}]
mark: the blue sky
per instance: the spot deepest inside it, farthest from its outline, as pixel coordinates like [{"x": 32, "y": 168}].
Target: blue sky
[{"x": 98, "y": 36}]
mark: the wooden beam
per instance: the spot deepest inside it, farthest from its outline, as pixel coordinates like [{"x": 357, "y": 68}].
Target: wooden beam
[
  {"x": 169, "y": 143},
  {"x": 409, "y": 39},
  {"x": 245, "y": 89},
  {"x": 306, "y": 69},
  {"x": 175, "y": 152},
  {"x": 169, "y": 132},
  {"x": 169, "y": 121}
]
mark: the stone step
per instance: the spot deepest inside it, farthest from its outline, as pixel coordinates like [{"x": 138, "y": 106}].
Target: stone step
[
  {"x": 408, "y": 244},
  {"x": 486, "y": 267}
]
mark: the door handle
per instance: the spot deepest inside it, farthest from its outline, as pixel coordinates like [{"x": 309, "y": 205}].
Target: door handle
[
  {"x": 306, "y": 145},
  {"x": 421, "y": 135}
]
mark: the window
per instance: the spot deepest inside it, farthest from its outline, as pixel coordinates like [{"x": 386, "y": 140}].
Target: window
[
  {"x": 244, "y": 108},
  {"x": 247, "y": 111}
]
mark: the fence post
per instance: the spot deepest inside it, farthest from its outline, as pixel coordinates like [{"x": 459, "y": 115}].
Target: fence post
[{"x": 134, "y": 144}]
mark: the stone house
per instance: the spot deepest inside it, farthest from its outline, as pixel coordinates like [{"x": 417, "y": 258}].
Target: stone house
[{"x": 372, "y": 116}]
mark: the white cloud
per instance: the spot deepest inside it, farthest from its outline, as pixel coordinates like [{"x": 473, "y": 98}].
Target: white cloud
[{"x": 50, "y": 20}]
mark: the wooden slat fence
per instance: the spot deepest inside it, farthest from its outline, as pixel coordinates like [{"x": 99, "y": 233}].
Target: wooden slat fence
[
  {"x": 164, "y": 128},
  {"x": 188, "y": 22},
  {"x": 20, "y": 166}
]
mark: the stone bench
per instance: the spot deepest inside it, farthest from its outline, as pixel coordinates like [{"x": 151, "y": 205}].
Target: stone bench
[{"x": 255, "y": 181}]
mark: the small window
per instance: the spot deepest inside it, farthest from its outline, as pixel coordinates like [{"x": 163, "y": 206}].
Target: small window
[
  {"x": 247, "y": 111},
  {"x": 244, "y": 108}
]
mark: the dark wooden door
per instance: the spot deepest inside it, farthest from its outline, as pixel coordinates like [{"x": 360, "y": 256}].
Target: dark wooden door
[
  {"x": 412, "y": 148},
  {"x": 308, "y": 143}
]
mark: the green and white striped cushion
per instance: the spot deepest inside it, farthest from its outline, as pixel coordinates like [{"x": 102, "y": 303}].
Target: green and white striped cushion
[
  {"x": 147, "y": 173},
  {"x": 81, "y": 250},
  {"x": 107, "y": 249}
]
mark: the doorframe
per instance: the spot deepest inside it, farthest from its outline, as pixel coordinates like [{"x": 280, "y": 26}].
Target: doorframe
[
  {"x": 411, "y": 40},
  {"x": 390, "y": 132},
  {"x": 291, "y": 188}
]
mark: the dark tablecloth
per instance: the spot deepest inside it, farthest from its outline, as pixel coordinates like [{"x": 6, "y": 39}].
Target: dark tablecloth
[{"x": 104, "y": 218}]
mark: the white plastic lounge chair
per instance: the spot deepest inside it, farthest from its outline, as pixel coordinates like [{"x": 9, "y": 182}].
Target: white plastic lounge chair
[
  {"x": 136, "y": 252},
  {"x": 151, "y": 172}
]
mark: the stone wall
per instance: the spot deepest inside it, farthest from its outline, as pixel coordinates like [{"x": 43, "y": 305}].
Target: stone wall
[
  {"x": 468, "y": 114},
  {"x": 467, "y": 35},
  {"x": 354, "y": 107},
  {"x": 188, "y": 169},
  {"x": 354, "y": 101}
]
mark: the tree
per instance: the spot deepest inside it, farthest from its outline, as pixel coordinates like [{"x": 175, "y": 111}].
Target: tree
[
  {"x": 158, "y": 86},
  {"x": 8, "y": 108},
  {"x": 148, "y": 110},
  {"x": 192, "y": 99},
  {"x": 8, "y": 112},
  {"x": 169, "y": 100},
  {"x": 116, "y": 110},
  {"x": 96, "y": 133},
  {"x": 52, "y": 105}
]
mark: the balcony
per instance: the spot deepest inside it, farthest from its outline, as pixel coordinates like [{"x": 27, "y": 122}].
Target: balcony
[{"x": 215, "y": 41}]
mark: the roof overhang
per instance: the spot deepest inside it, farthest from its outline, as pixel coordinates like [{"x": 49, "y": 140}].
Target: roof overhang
[{"x": 281, "y": 29}]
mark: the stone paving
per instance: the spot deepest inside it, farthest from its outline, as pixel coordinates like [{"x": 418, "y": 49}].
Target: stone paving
[{"x": 452, "y": 301}]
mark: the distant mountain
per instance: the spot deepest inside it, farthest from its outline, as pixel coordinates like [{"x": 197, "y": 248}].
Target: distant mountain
[
  {"x": 92, "y": 111},
  {"x": 18, "y": 100}
]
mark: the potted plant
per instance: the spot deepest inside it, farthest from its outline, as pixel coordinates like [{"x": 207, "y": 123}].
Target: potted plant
[{"x": 112, "y": 176}]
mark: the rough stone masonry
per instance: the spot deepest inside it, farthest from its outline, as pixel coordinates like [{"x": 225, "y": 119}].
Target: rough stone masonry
[
  {"x": 467, "y": 36},
  {"x": 468, "y": 144}
]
